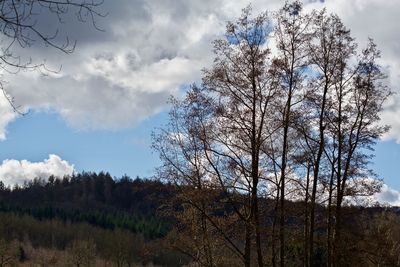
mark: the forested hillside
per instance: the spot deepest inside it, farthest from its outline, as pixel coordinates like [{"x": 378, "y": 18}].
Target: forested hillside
[
  {"x": 97, "y": 199},
  {"x": 118, "y": 221},
  {"x": 122, "y": 221}
]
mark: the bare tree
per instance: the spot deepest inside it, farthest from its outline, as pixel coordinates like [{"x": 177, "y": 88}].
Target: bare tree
[
  {"x": 181, "y": 151},
  {"x": 291, "y": 35},
  {"x": 20, "y": 27},
  {"x": 291, "y": 125},
  {"x": 357, "y": 107},
  {"x": 7, "y": 255},
  {"x": 82, "y": 253},
  {"x": 330, "y": 46},
  {"x": 230, "y": 113},
  {"x": 334, "y": 126}
]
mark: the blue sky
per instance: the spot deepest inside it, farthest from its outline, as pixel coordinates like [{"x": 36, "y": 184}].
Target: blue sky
[
  {"x": 126, "y": 151},
  {"x": 386, "y": 162},
  {"x": 98, "y": 112},
  {"x": 120, "y": 152}
]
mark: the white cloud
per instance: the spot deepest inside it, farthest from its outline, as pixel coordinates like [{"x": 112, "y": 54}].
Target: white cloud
[
  {"x": 388, "y": 196},
  {"x": 117, "y": 78},
  {"x": 7, "y": 115},
  {"x": 17, "y": 172},
  {"x": 150, "y": 49}
]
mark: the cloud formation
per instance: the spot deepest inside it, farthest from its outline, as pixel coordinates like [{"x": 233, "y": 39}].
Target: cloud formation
[
  {"x": 151, "y": 49},
  {"x": 388, "y": 196},
  {"x": 7, "y": 115},
  {"x": 117, "y": 78},
  {"x": 17, "y": 172}
]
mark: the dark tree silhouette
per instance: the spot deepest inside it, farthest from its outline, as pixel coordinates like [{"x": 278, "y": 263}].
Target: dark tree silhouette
[
  {"x": 294, "y": 123},
  {"x": 216, "y": 135}
]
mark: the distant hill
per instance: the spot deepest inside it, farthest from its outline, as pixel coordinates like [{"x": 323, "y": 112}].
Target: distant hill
[{"x": 94, "y": 198}]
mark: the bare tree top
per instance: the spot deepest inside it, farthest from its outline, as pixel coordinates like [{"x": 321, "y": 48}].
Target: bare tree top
[{"x": 20, "y": 27}]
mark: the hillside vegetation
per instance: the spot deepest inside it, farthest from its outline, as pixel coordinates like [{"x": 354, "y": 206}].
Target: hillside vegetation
[{"x": 93, "y": 218}]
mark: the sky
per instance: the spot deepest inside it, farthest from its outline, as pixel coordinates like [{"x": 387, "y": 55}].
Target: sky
[{"x": 98, "y": 111}]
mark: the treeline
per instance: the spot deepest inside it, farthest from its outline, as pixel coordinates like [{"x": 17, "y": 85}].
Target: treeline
[
  {"x": 40, "y": 224},
  {"x": 94, "y": 198}
]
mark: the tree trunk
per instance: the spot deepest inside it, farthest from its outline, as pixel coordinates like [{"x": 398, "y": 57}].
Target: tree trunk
[
  {"x": 282, "y": 203},
  {"x": 306, "y": 220},
  {"x": 247, "y": 248},
  {"x": 316, "y": 170},
  {"x": 329, "y": 230},
  {"x": 336, "y": 244},
  {"x": 258, "y": 236},
  {"x": 274, "y": 237}
]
